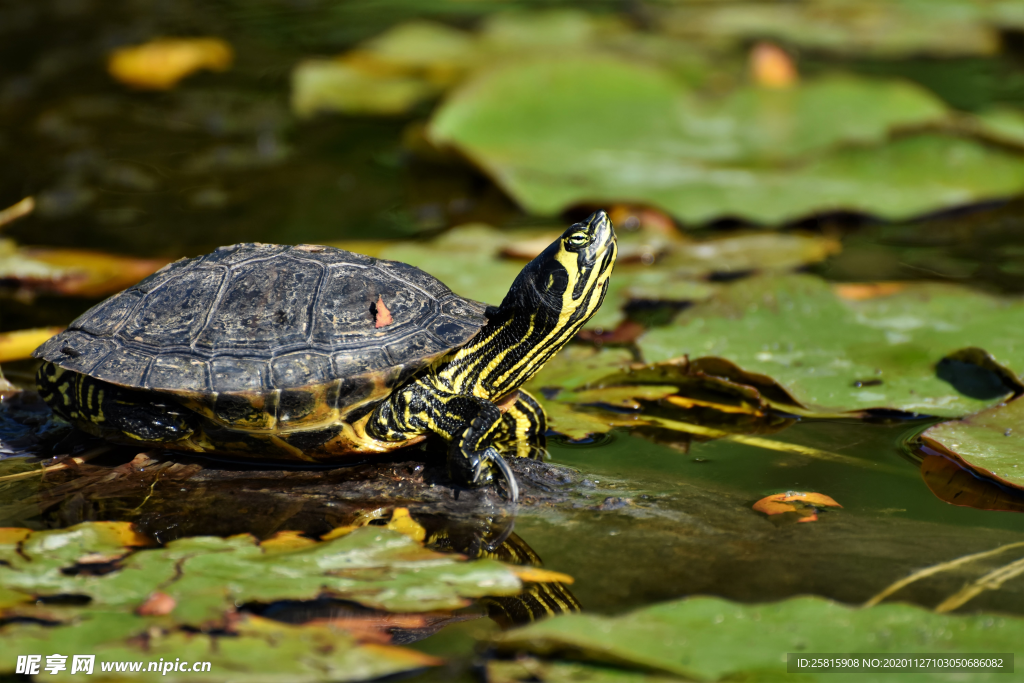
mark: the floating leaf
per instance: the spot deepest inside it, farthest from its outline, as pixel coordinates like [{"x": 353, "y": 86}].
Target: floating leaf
[
  {"x": 207, "y": 577},
  {"x": 438, "y": 53},
  {"x": 804, "y": 504},
  {"x": 989, "y": 442},
  {"x": 482, "y": 275},
  {"x": 524, "y": 669},
  {"x": 564, "y": 30},
  {"x": 696, "y": 638},
  {"x": 72, "y": 272},
  {"x": 160, "y": 64},
  {"x": 586, "y": 130},
  {"x": 1002, "y": 124},
  {"x": 831, "y": 354},
  {"x": 20, "y": 344},
  {"x": 753, "y": 252},
  {"x": 850, "y": 27},
  {"x": 256, "y": 649},
  {"x": 320, "y": 85}
]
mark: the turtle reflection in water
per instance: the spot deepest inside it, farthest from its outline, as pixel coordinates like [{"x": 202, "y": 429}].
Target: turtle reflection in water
[
  {"x": 476, "y": 538},
  {"x": 312, "y": 353}
]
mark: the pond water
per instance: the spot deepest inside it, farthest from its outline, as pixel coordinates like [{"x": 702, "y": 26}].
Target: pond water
[{"x": 221, "y": 159}]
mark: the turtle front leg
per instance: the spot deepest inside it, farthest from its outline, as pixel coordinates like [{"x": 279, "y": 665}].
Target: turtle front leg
[
  {"x": 477, "y": 451},
  {"x": 478, "y": 430}
]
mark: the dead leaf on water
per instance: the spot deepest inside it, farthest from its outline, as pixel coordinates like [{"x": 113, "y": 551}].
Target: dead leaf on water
[
  {"x": 71, "y": 272},
  {"x": 804, "y": 504},
  {"x": 161, "y": 63}
]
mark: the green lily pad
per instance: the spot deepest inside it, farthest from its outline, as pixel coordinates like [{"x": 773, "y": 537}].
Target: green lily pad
[
  {"x": 883, "y": 28},
  {"x": 208, "y": 576},
  {"x": 257, "y": 649},
  {"x": 425, "y": 48},
  {"x": 580, "y": 130},
  {"x": 532, "y": 669},
  {"x": 989, "y": 442},
  {"x": 1002, "y": 124},
  {"x": 698, "y": 638},
  {"x": 525, "y": 32},
  {"x": 833, "y": 354},
  {"x": 466, "y": 259},
  {"x": 758, "y": 251},
  {"x": 320, "y": 85}
]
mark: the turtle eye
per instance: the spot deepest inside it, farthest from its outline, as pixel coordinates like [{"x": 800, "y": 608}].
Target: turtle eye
[{"x": 578, "y": 239}]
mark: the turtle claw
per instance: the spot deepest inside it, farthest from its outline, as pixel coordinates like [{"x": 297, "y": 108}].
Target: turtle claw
[
  {"x": 510, "y": 478},
  {"x": 477, "y": 469}
]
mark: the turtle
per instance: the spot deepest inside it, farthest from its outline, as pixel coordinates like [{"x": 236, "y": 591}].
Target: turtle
[{"x": 315, "y": 354}]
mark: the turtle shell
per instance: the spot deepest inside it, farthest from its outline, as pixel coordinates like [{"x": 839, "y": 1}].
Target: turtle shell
[{"x": 259, "y": 325}]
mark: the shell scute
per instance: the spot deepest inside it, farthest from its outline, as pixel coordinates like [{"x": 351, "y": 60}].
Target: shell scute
[
  {"x": 172, "y": 314},
  {"x": 332, "y": 255},
  {"x": 103, "y": 319},
  {"x": 239, "y": 253},
  {"x": 123, "y": 366},
  {"x": 265, "y": 304},
  {"x": 414, "y": 277},
  {"x": 449, "y": 331},
  {"x": 418, "y": 345},
  {"x": 239, "y": 374},
  {"x": 358, "y": 361},
  {"x": 79, "y": 351},
  {"x": 301, "y": 369},
  {"x": 178, "y": 372}
]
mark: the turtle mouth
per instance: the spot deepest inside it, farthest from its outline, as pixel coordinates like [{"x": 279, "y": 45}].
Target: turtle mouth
[{"x": 603, "y": 244}]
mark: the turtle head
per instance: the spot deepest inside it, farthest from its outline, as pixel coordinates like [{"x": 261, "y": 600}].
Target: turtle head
[{"x": 569, "y": 278}]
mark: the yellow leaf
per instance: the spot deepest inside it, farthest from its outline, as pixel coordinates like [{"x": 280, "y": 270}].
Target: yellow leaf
[
  {"x": 160, "y": 64},
  {"x": 91, "y": 273},
  {"x": 20, "y": 344}
]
